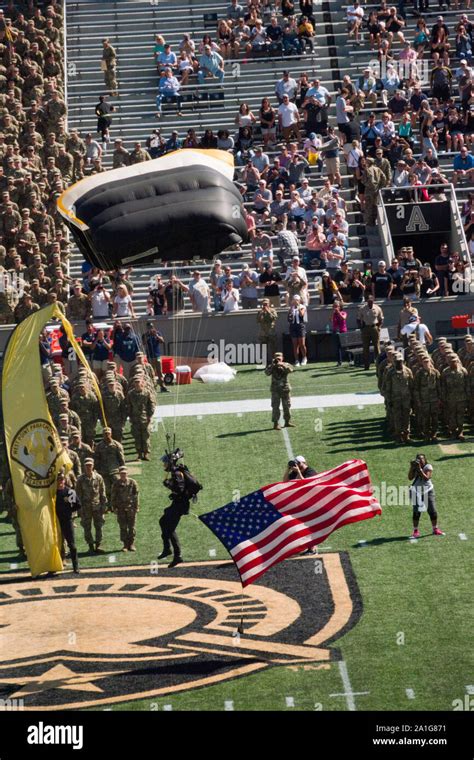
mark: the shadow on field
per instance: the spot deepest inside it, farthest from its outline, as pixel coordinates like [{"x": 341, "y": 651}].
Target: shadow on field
[
  {"x": 379, "y": 541},
  {"x": 243, "y": 432}
]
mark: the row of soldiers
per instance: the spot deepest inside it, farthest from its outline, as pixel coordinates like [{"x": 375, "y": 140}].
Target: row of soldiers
[
  {"x": 97, "y": 469},
  {"x": 423, "y": 391}
]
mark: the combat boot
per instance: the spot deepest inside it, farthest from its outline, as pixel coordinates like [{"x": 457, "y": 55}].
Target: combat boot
[
  {"x": 132, "y": 548},
  {"x": 124, "y": 548},
  {"x": 98, "y": 549},
  {"x": 175, "y": 561},
  {"x": 290, "y": 424},
  {"x": 276, "y": 426},
  {"x": 91, "y": 547},
  {"x": 164, "y": 553}
]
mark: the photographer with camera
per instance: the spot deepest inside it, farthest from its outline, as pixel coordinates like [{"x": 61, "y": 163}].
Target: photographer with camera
[
  {"x": 298, "y": 469},
  {"x": 184, "y": 487},
  {"x": 422, "y": 494},
  {"x": 280, "y": 390}
]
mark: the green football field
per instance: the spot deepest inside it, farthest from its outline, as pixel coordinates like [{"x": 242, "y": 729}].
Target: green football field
[{"x": 410, "y": 647}]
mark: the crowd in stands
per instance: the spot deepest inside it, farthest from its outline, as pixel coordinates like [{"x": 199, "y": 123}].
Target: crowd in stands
[{"x": 421, "y": 101}]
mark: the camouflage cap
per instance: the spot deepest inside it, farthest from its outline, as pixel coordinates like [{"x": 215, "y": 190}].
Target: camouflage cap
[
  {"x": 64, "y": 438},
  {"x": 89, "y": 460},
  {"x": 107, "y": 430},
  {"x": 123, "y": 469},
  {"x": 278, "y": 355},
  {"x": 54, "y": 381},
  {"x": 64, "y": 417}
]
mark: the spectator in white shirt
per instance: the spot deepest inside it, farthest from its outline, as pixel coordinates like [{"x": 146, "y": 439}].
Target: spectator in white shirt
[
  {"x": 100, "y": 300},
  {"x": 289, "y": 119},
  {"x": 286, "y": 86},
  {"x": 230, "y": 298},
  {"x": 355, "y": 15},
  {"x": 123, "y": 305},
  {"x": 199, "y": 293}
]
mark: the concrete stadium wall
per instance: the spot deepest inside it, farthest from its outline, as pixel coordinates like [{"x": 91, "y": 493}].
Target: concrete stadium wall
[{"x": 241, "y": 327}]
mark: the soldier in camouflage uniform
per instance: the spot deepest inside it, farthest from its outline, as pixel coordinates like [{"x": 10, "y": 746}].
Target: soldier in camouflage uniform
[
  {"x": 125, "y": 504},
  {"x": 120, "y": 156},
  {"x": 82, "y": 450},
  {"x": 373, "y": 180},
  {"x": 72, "y": 417},
  {"x": 54, "y": 396},
  {"x": 266, "y": 320},
  {"x": 76, "y": 146},
  {"x": 470, "y": 392},
  {"x": 121, "y": 379},
  {"x": 387, "y": 366},
  {"x": 398, "y": 389},
  {"x": 76, "y": 471},
  {"x": 109, "y": 57},
  {"x": 79, "y": 304},
  {"x": 454, "y": 389},
  {"x": 280, "y": 390},
  {"x": 8, "y": 302},
  {"x": 108, "y": 458},
  {"x": 85, "y": 403},
  {"x": 64, "y": 427},
  {"x": 12, "y": 513},
  {"x": 115, "y": 407},
  {"x": 90, "y": 489},
  {"x": 466, "y": 352},
  {"x": 427, "y": 398},
  {"x": 140, "y": 410},
  {"x": 25, "y": 308},
  {"x": 144, "y": 369}
]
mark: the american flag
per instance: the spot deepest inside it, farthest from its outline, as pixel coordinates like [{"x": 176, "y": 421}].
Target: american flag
[{"x": 283, "y": 519}]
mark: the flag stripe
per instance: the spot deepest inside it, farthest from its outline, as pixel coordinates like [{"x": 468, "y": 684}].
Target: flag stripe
[
  {"x": 249, "y": 574},
  {"x": 258, "y": 549},
  {"x": 283, "y": 519}
]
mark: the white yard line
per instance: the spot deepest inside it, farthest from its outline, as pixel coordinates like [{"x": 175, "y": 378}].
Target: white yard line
[
  {"x": 264, "y": 405},
  {"x": 286, "y": 438},
  {"x": 348, "y": 693}
]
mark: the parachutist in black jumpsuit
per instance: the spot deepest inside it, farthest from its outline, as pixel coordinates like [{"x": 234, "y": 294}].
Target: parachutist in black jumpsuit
[{"x": 172, "y": 515}]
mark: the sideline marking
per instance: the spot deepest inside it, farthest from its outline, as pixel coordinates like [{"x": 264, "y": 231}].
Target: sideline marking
[
  {"x": 463, "y": 537},
  {"x": 290, "y": 702},
  {"x": 204, "y": 408},
  {"x": 410, "y": 693},
  {"x": 228, "y": 705},
  {"x": 348, "y": 693}
]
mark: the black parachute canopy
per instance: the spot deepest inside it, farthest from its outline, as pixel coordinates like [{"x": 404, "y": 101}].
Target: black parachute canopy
[{"x": 172, "y": 208}]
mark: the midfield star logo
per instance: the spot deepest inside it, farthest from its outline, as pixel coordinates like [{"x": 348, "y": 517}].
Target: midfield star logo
[{"x": 112, "y": 636}]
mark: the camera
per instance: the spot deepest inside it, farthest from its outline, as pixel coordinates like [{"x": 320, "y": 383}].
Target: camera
[{"x": 292, "y": 463}]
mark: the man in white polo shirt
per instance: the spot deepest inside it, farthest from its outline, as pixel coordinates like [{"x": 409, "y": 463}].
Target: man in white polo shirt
[{"x": 288, "y": 119}]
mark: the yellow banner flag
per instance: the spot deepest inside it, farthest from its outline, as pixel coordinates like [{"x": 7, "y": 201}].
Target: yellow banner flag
[{"x": 34, "y": 449}]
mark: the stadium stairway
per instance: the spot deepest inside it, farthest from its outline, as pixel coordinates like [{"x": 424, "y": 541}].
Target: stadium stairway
[{"x": 131, "y": 27}]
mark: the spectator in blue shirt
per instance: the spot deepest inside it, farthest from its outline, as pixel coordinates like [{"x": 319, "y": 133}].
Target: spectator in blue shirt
[
  {"x": 168, "y": 58},
  {"x": 168, "y": 87},
  {"x": 210, "y": 63},
  {"x": 87, "y": 341},
  {"x": 174, "y": 142},
  {"x": 463, "y": 166},
  {"x": 126, "y": 347},
  {"x": 100, "y": 353}
]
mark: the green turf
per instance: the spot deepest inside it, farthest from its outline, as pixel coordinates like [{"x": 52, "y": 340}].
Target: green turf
[
  {"x": 415, "y": 630},
  {"x": 252, "y": 383}
]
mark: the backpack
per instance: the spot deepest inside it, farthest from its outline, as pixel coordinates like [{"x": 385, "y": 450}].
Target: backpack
[{"x": 192, "y": 485}]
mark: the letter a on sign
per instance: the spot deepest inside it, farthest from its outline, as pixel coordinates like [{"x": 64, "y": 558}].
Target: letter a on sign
[{"x": 417, "y": 222}]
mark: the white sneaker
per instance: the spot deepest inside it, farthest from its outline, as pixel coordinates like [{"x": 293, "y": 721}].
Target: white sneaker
[
  {"x": 304, "y": 361},
  {"x": 297, "y": 364}
]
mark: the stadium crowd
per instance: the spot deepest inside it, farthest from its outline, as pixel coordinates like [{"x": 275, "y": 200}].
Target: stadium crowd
[{"x": 304, "y": 228}]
